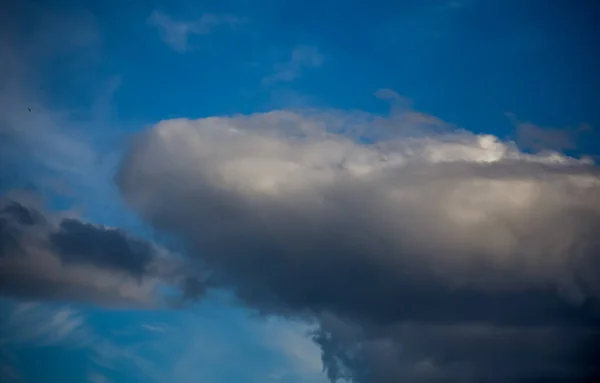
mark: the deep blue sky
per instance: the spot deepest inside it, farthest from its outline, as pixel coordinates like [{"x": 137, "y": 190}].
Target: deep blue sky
[{"x": 467, "y": 62}]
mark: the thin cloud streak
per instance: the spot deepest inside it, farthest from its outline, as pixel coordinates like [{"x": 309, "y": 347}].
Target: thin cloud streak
[
  {"x": 302, "y": 58},
  {"x": 177, "y": 34}
]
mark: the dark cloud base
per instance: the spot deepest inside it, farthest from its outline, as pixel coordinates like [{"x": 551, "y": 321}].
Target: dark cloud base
[
  {"x": 52, "y": 258},
  {"x": 457, "y": 258}
]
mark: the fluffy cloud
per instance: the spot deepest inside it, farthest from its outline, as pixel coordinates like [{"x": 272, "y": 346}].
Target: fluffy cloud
[
  {"x": 435, "y": 253},
  {"x": 51, "y": 257}
]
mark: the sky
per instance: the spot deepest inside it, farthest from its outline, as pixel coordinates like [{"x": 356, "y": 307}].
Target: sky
[{"x": 300, "y": 191}]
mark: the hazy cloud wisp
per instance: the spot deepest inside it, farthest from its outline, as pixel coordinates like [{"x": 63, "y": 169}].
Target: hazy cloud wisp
[
  {"x": 301, "y": 58},
  {"x": 177, "y": 34}
]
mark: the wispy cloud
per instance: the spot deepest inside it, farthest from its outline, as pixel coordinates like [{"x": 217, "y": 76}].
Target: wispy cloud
[
  {"x": 537, "y": 138},
  {"x": 35, "y": 325},
  {"x": 302, "y": 57},
  {"x": 45, "y": 326},
  {"x": 154, "y": 327},
  {"x": 42, "y": 144},
  {"x": 27, "y": 125},
  {"x": 177, "y": 34}
]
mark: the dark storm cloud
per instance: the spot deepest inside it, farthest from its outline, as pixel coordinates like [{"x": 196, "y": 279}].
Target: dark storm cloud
[
  {"x": 445, "y": 256},
  {"x": 417, "y": 352},
  {"x": 48, "y": 257},
  {"x": 80, "y": 242}
]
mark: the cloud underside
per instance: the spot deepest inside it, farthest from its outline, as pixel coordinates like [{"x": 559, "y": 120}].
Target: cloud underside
[
  {"x": 426, "y": 253},
  {"x": 44, "y": 256}
]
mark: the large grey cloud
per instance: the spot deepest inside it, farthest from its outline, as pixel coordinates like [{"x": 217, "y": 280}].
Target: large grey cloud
[
  {"x": 48, "y": 256},
  {"x": 447, "y": 255}
]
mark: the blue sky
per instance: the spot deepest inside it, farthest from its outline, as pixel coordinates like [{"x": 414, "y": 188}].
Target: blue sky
[{"x": 82, "y": 79}]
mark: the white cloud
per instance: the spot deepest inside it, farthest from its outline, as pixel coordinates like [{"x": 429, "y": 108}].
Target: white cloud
[
  {"x": 301, "y": 58},
  {"x": 177, "y": 34},
  {"x": 257, "y": 159},
  {"x": 425, "y": 224}
]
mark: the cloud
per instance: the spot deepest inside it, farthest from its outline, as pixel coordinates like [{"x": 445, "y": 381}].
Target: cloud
[
  {"x": 291, "y": 339},
  {"x": 418, "y": 352},
  {"x": 533, "y": 137},
  {"x": 33, "y": 322},
  {"x": 85, "y": 243},
  {"x": 177, "y": 34},
  {"x": 388, "y": 94},
  {"x": 275, "y": 350},
  {"x": 40, "y": 144},
  {"x": 46, "y": 256},
  {"x": 33, "y": 326},
  {"x": 302, "y": 57},
  {"x": 154, "y": 328},
  {"x": 49, "y": 255},
  {"x": 427, "y": 243}
]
